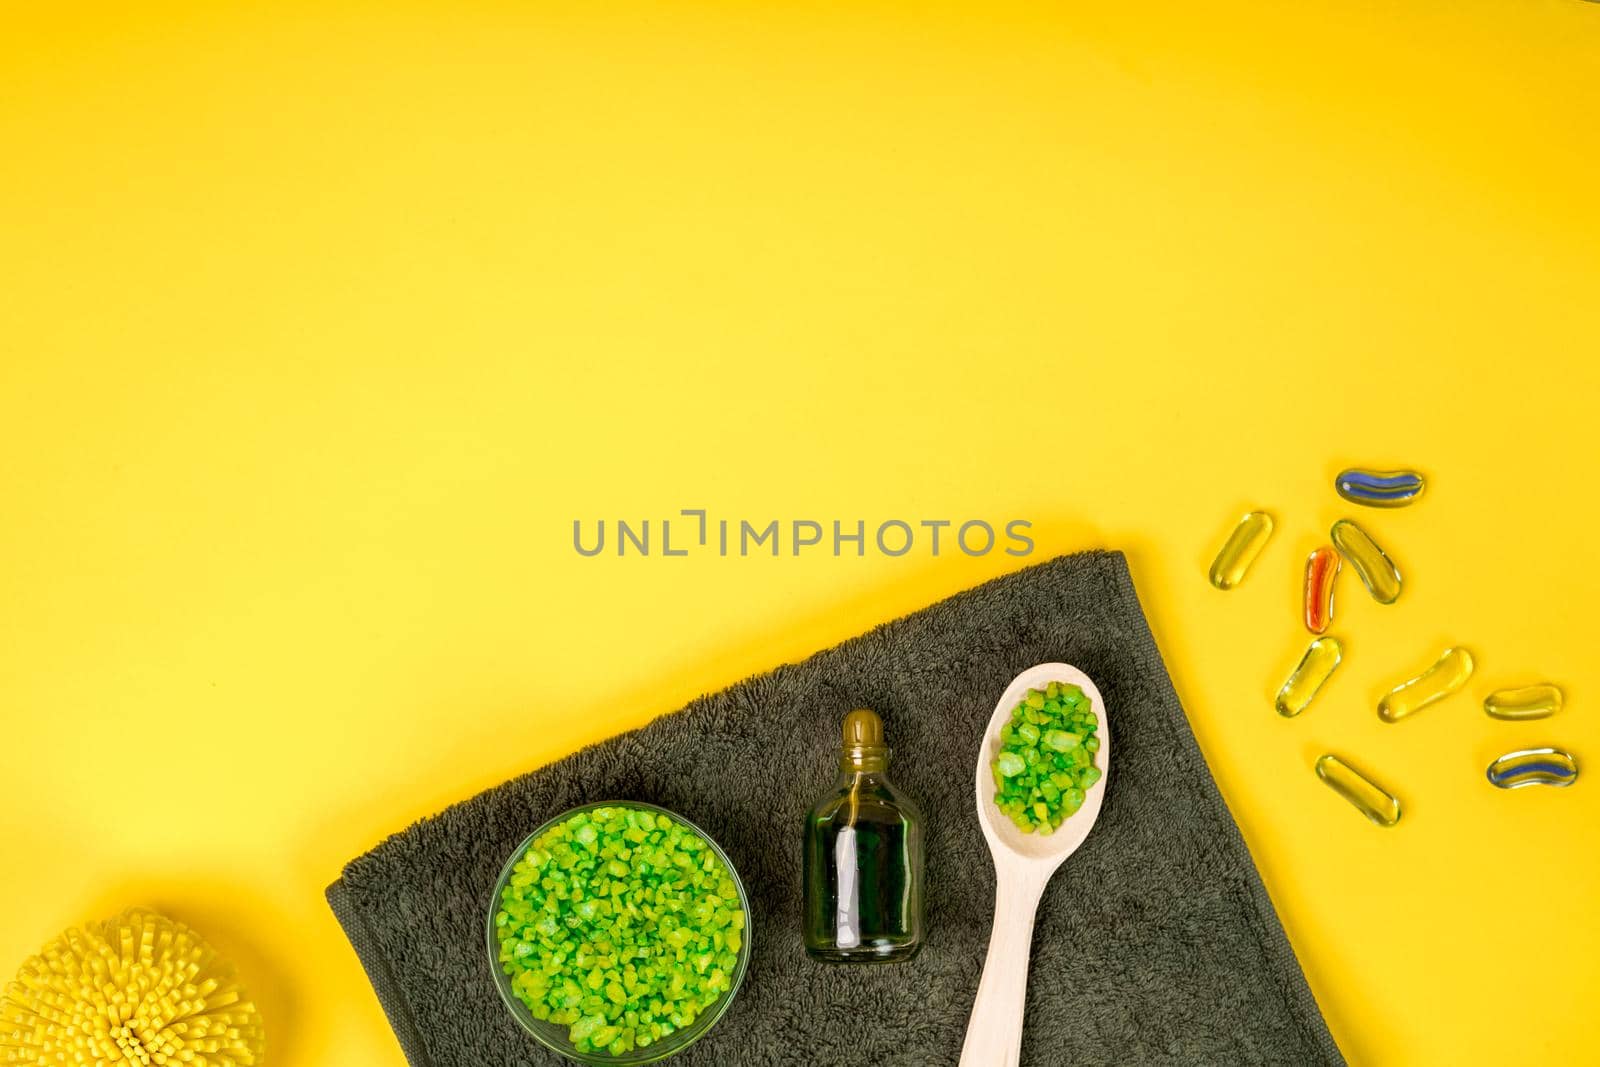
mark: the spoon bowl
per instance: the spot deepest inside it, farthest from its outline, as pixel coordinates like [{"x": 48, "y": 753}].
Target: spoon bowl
[
  {"x": 1023, "y": 864},
  {"x": 1000, "y": 831}
]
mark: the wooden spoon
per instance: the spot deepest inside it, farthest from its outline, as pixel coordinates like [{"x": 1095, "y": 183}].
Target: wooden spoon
[{"x": 1023, "y": 864}]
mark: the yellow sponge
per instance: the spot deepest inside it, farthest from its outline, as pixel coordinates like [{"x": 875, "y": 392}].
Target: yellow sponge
[{"x": 138, "y": 989}]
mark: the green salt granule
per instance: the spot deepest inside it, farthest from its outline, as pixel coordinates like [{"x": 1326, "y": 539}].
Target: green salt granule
[
  {"x": 622, "y": 925},
  {"x": 1045, "y": 763}
]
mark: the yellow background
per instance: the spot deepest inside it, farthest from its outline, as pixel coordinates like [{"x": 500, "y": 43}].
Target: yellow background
[{"x": 320, "y": 323}]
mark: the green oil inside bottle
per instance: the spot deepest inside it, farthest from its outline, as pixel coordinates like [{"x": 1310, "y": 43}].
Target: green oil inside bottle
[{"x": 863, "y": 858}]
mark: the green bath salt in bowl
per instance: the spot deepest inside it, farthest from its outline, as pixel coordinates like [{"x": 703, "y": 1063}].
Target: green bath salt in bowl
[{"x": 617, "y": 933}]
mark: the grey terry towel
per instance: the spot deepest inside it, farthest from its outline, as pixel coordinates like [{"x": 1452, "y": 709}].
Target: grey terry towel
[{"x": 1155, "y": 943}]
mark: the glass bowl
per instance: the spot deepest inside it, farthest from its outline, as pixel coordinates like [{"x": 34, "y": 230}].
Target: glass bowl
[{"x": 553, "y": 1036}]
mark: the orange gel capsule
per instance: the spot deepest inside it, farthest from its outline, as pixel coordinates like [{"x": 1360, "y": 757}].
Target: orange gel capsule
[{"x": 1322, "y": 567}]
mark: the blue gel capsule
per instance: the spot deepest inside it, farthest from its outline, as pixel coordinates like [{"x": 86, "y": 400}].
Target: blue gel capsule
[
  {"x": 1534, "y": 766},
  {"x": 1379, "y": 489}
]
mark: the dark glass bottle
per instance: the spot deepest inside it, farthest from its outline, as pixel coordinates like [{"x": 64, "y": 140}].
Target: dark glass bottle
[{"x": 863, "y": 859}]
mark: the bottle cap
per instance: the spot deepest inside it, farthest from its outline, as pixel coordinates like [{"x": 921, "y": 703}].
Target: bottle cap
[{"x": 863, "y": 728}]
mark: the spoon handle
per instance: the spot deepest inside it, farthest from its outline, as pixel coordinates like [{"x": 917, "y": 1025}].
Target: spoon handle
[{"x": 994, "y": 1033}]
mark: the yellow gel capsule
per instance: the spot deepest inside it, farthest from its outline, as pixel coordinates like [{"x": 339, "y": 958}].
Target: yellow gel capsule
[
  {"x": 1314, "y": 667},
  {"x": 1448, "y": 674},
  {"x": 1244, "y": 544},
  {"x": 1376, "y": 570},
  {"x": 1529, "y": 702},
  {"x": 1371, "y": 799}
]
